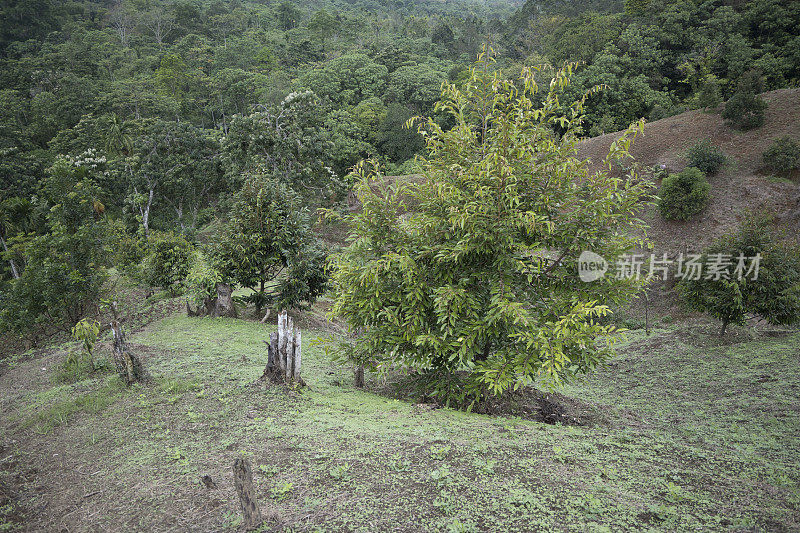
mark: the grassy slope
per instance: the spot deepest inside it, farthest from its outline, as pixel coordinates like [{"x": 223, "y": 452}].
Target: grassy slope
[{"x": 699, "y": 437}]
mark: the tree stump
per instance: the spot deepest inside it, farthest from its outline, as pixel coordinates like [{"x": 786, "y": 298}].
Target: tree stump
[
  {"x": 243, "y": 480},
  {"x": 284, "y": 353},
  {"x": 224, "y": 303},
  {"x": 128, "y": 366}
]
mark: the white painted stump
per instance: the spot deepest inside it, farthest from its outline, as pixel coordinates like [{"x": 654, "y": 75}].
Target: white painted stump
[{"x": 284, "y": 352}]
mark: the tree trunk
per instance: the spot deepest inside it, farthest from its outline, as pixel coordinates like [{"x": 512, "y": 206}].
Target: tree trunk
[
  {"x": 284, "y": 353},
  {"x": 128, "y": 366},
  {"x": 224, "y": 302},
  {"x": 14, "y": 271},
  {"x": 243, "y": 480},
  {"x": 359, "y": 377},
  {"x": 725, "y": 322}
]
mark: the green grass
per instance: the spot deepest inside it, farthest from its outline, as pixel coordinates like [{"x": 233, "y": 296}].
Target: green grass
[{"x": 697, "y": 438}]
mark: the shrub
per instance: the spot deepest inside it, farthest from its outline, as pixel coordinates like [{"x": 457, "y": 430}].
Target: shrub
[
  {"x": 168, "y": 260},
  {"x": 130, "y": 251},
  {"x": 202, "y": 280},
  {"x": 706, "y": 157},
  {"x": 783, "y": 155},
  {"x": 774, "y": 294},
  {"x": 684, "y": 194},
  {"x": 745, "y": 109}
]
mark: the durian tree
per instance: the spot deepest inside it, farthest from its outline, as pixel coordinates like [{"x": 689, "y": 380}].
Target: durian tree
[{"x": 467, "y": 278}]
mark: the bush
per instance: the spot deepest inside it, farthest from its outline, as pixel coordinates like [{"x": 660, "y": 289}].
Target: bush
[
  {"x": 745, "y": 109},
  {"x": 774, "y": 294},
  {"x": 706, "y": 157},
  {"x": 684, "y": 194},
  {"x": 168, "y": 260},
  {"x": 783, "y": 155},
  {"x": 202, "y": 280},
  {"x": 130, "y": 251}
]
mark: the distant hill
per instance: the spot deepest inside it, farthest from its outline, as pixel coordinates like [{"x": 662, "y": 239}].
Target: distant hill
[{"x": 743, "y": 186}]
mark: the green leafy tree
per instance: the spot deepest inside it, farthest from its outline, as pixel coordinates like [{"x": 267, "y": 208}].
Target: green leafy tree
[
  {"x": 65, "y": 265},
  {"x": 267, "y": 237},
  {"x": 394, "y": 139},
  {"x": 418, "y": 86},
  {"x": 469, "y": 277},
  {"x": 286, "y": 141},
  {"x": 347, "y": 79},
  {"x": 769, "y": 288}
]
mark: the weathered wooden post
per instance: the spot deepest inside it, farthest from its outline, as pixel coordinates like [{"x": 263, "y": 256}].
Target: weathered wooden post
[
  {"x": 128, "y": 366},
  {"x": 297, "y": 356},
  {"x": 243, "y": 480}
]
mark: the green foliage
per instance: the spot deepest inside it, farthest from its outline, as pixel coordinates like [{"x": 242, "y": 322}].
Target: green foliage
[
  {"x": 169, "y": 256},
  {"x": 783, "y": 155},
  {"x": 706, "y": 157},
  {"x": 683, "y": 195},
  {"x": 347, "y": 79},
  {"x": 475, "y": 288},
  {"x": 773, "y": 292},
  {"x": 745, "y": 109},
  {"x": 78, "y": 363},
  {"x": 202, "y": 280},
  {"x": 394, "y": 139},
  {"x": 289, "y": 142},
  {"x": 269, "y": 236},
  {"x": 86, "y": 332},
  {"x": 64, "y": 265},
  {"x": 709, "y": 95}
]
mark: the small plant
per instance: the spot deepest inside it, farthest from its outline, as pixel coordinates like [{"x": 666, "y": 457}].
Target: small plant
[
  {"x": 268, "y": 470},
  {"x": 441, "y": 475},
  {"x": 485, "y": 466},
  {"x": 783, "y": 155},
  {"x": 660, "y": 171},
  {"x": 398, "y": 464},
  {"x": 79, "y": 361},
  {"x": 706, "y": 157},
  {"x": 683, "y": 195},
  {"x": 340, "y": 472},
  {"x": 86, "y": 332},
  {"x": 282, "y": 490},
  {"x": 440, "y": 452},
  {"x": 446, "y": 502}
]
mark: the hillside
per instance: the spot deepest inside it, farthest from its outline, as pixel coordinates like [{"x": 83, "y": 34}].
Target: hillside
[
  {"x": 742, "y": 186},
  {"x": 664, "y": 449}
]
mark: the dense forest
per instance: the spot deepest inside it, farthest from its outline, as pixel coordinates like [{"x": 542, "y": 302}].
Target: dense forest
[{"x": 127, "y": 122}]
